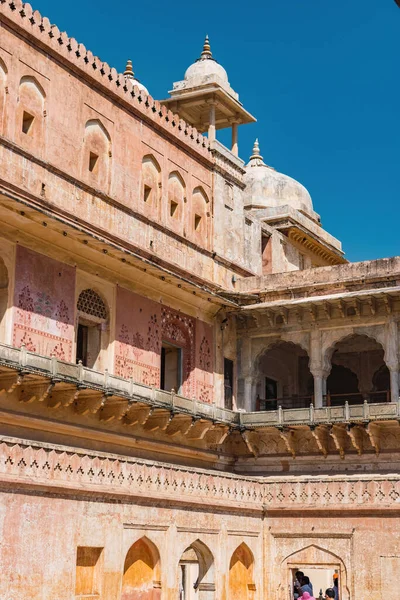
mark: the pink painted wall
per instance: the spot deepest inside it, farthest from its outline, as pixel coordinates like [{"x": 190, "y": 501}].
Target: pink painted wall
[
  {"x": 141, "y": 327},
  {"x": 204, "y": 371},
  {"x": 44, "y": 305},
  {"x": 138, "y": 338}
]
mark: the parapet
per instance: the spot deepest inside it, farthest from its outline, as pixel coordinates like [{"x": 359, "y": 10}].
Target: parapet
[{"x": 31, "y": 23}]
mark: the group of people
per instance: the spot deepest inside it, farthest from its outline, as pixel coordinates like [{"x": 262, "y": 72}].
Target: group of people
[{"x": 303, "y": 588}]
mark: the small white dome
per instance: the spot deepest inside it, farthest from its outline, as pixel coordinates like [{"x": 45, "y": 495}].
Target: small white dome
[
  {"x": 129, "y": 74},
  {"x": 267, "y": 188},
  {"x": 206, "y": 67}
]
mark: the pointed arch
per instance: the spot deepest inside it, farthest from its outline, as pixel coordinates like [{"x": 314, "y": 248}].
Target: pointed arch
[
  {"x": 151, "y": 186},
  {"x": 353, "y": 359},
  {"x": 141, "y": 572},
  {"x": 197, "y": 572},
  {"x": 96, "y": 163},
  {"x": 281, "y": 370},
  {"x": 31, "y": 114},
  {"x": 241, "y": 574},
  {"x": 200, "y": 217},
  {"x": 315, "y": 554},
  {"x": 176, "y": 201}
]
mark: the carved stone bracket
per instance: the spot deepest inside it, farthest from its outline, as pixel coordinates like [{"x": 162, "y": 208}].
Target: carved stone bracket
[
  {"x": 179, "y": 425},
  {"x": 199, "y": 429},
  {"x": 356, "y": 437},
  {"x": 339, "y": 436},
  {"x": 249, "y": 438},
  {"x": 374, "y": 435},
  {"x": 321, "y": 436},
  {"x": 158, "y": 420},
  {"x": 288, "y": 438}
]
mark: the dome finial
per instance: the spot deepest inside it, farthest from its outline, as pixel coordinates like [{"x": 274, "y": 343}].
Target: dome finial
[
  {"x": 206, "y": 49},
  {"x": 256, "y": 151},
  {"x": 129, "y": 70}
]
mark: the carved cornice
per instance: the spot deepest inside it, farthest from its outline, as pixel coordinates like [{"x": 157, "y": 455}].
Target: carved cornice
[{"x": 41, "y": 466}]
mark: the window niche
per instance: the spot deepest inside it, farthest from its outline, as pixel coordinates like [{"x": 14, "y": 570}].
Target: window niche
[
  {"x": 97, "y": 155},
  {"x": 200, "y": 216},
  {"x": 92, "y": 329},
  {"x": 151, "y": 186},
  {"x": 171, "y": 368},
  {"x": 30, "y": 115},
  {"x": 89, "y": 572},
  {"x": 176, "y": 201}
]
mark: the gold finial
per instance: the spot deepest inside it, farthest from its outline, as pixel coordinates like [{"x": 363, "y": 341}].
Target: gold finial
[
  {"x": 256, "y": 151},
  {"x": 129, "y": 70},
  {"x": 206, "y": 49}
]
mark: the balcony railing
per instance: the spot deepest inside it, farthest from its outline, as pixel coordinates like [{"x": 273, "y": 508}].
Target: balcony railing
[
  {"x": 29, "y": 363},
  {"x": 329, "y": 400}
]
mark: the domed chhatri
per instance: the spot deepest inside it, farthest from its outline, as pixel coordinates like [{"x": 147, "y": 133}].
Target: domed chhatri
[
  {"x": 206, "y": 68},
  {"x": 205, "y": 99},
  {"x": 267, "y": 188},
  {"x": 129, "y": 74}
]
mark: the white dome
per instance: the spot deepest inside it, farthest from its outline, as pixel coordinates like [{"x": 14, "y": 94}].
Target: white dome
[
  {"x": 267, "y": 188},
  {"x": 208, "y": 68},
  {"x": 129, "y": 74}
]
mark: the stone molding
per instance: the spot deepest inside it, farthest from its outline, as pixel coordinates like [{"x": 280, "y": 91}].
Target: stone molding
[{"x": 36, "y": 465}]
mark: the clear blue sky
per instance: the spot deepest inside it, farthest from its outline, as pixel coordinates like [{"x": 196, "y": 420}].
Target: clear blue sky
[{"x": 322, "y": 78}]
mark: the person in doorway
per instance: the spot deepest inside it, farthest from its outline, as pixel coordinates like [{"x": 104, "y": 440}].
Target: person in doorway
[
  {"x": 336, "y": 585},
  {"x": 298, "y": 576},
  {"x": 306, "y": 596},
  {"x": 306, "y": 585},
  {"x": 329, "y": 593}
]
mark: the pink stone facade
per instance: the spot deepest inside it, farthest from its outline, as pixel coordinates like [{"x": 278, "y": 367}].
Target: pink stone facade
[
  {"x": 44, "y": 305},
  {"x": 126, "y": 234}
]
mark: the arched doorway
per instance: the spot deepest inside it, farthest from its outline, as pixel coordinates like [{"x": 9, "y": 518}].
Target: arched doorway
[
  {"x": 358, "y": 372},
  {"x": 283, "y": 377},
  {"x": 241, "y": 578},
  {"x": 141, "y": 577},
  {"x": 196, "y": 573}
]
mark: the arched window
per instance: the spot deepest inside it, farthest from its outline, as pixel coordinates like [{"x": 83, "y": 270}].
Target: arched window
[
  {"x": 30, "y": 115},
  {"x": 97, "y": 155},
  {"x": 176, "y": 200},
  {"x": 241, "y": 578},
  {"x": 151, "y": 186},
  {"x": 3, "y": 84},
  {"x": 141, "y": 575},
  {"x": 92, "y": 328},
  {"x": 197, "y": 577},
  {"x": 200, "y": 217}
]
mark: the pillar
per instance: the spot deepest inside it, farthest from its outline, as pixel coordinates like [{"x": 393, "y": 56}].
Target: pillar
[
  {"x": 211, "y": 127},
  {"x": 394, "y": 385},
  {"x": 235, "y": 147},
  {"x": 392, "y": 357},
  {"x": 248, "y": 391},
  {"x": 318, "y": 388}
]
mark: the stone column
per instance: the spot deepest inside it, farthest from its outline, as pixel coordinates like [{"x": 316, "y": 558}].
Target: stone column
[
  {"x": 318, "y": 368},
  {"x": 392, "y": 357},
  {"x": 211, "y": 127},
  {"x": 394, "y": 385},
  {"x": 319, "y": 377},
  {"x": 248, "y": 392},
  {"x": 235, "y": 147}
]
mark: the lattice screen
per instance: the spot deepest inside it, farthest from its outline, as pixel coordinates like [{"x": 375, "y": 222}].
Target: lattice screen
[{"x": 90, "y": 303}]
